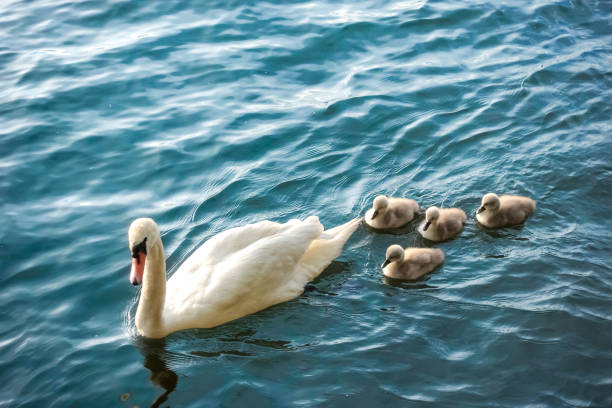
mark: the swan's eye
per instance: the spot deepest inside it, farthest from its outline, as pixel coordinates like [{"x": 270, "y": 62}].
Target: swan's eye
[{"x": 138, "y": 248}]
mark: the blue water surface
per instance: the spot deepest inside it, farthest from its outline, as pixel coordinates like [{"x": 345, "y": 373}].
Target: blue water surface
[{"x": 211, "y": 115}]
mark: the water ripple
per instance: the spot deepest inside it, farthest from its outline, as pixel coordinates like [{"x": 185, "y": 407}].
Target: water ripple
[{"x": 210, "y": 116}]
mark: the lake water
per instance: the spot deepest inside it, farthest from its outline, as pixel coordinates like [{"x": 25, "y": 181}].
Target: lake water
[{"x": 211, "y": 115}]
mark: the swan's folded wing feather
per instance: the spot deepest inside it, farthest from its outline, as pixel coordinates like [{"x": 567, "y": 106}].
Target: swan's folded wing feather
[
  {"x": 205, "y": 292},
  {"x": 218, "y": 247},
  {"x": 253, "y": 273},
  {"x": 195, "y": 272}
]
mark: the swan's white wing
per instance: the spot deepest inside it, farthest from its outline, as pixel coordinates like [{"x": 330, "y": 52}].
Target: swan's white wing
[
  {"x": 216, "y": 290},
  {"x": 250, "y": 277},
  {"x": 217, "y": 248}
]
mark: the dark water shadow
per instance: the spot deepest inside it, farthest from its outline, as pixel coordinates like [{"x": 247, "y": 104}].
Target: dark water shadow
[
  {"x": 236, "y": 339},
  {"x": 154, "y": 352},
  {"x": 231, "y": 344},
  {"x": 410, "y": 283},
  {"x": 331, "y": 278},
  {"x": 506, "y": 232},
  {"x": 220, "y": 353}
]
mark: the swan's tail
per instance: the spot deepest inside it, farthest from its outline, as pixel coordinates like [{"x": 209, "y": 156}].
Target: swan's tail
[
  {"x": 344, "y": 230},
  {"x": 325, "y": 249}
]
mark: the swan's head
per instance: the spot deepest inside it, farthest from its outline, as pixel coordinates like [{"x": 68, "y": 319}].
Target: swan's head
[
  {"x": 490, "y": 201},
  {"x": 380, "y": 205},
  {"x": 395, "y": 253},
  {"x": 431, "y": 215},
  {"x": 142, "y": 235}
]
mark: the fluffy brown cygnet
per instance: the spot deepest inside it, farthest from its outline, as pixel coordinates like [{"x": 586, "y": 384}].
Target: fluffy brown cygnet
[
  {"x": 442, "y": 224},
  {"x": 411, "y": 263},
  {"x": 388, "y": 212},
  {"x": 505, "y": 210}
]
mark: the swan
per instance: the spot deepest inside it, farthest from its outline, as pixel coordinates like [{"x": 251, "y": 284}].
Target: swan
[
  {"x": 235, "y": 273},
  {"x": 442, "y": 223},
  {"x": 410, "y": 263},
  {"x": 504, "y": 211},
  {"x": 390, "y": 212}
]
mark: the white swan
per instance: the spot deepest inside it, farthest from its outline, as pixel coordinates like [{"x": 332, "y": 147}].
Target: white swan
[
  {"x": 235, "y": 273},
  {"x": 504, "y": 211},
  {"x": 411, "y": 263},
  {"x": 390, "y": 212}
]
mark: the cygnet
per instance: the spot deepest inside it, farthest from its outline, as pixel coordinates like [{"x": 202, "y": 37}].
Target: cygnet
[
  {"x": 442, "y": 223},
  {"x": 391, "y": 212},
  {"x": 504, "y": 211},
  {"x": 411, "y": 263}
]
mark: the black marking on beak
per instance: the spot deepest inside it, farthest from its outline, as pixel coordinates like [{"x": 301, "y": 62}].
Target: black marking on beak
[
  {"x": 137, "y": 249},
  {"x": 427, "y": 224},
  {"x": 374, "y": 214},
  {"x": 134, "y": 282},
  {"x": 481, "y": 209},
  {"x": 387, "y": 262}
]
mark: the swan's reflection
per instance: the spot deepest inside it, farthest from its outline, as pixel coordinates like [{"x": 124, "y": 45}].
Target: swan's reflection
[
  {"x": 154, "y": 351},
  {"x": 409, "y": 284}
]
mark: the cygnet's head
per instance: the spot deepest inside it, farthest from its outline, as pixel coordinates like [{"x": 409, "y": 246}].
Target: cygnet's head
[
  {"x": 142, "y": 235},
  {"x": 395, "y": 253},
  {"x": 380, "y": 205},
  {"x": 490, "y": 202},
  {"x": 431, "y": 215}
]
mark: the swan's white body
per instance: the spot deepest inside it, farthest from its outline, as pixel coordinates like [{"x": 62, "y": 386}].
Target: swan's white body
[{"x": 235, "y": 273}]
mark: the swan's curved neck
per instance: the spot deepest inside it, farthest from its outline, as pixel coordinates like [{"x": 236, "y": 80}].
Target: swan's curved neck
[{"x": 149, "y": 315}]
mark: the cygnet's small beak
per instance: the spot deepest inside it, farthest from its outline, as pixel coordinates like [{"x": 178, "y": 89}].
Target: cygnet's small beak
[
  {"x": 427, "y": 224},
  {"x": 384, "y": 265},
  {"x": 481, "y": 209},
  {"x": 374, "y": 214}
]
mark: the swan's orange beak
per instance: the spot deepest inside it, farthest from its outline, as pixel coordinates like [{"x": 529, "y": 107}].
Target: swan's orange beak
[{"x": 138, "y": 264}]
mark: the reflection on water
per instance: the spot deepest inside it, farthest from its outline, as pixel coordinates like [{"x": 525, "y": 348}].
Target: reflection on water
[
  {"x": 409, "y": 284},
  {"x": 312, "y": 288},
  {"x": 154, "y": 351},
  {"x": 505, "y": 233},
  {"x": 275, "y": 344},
  {"x": 218, "y": 342},
  {"x": 406, "y": 229},
  {"x": 220, "y": 353}
]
